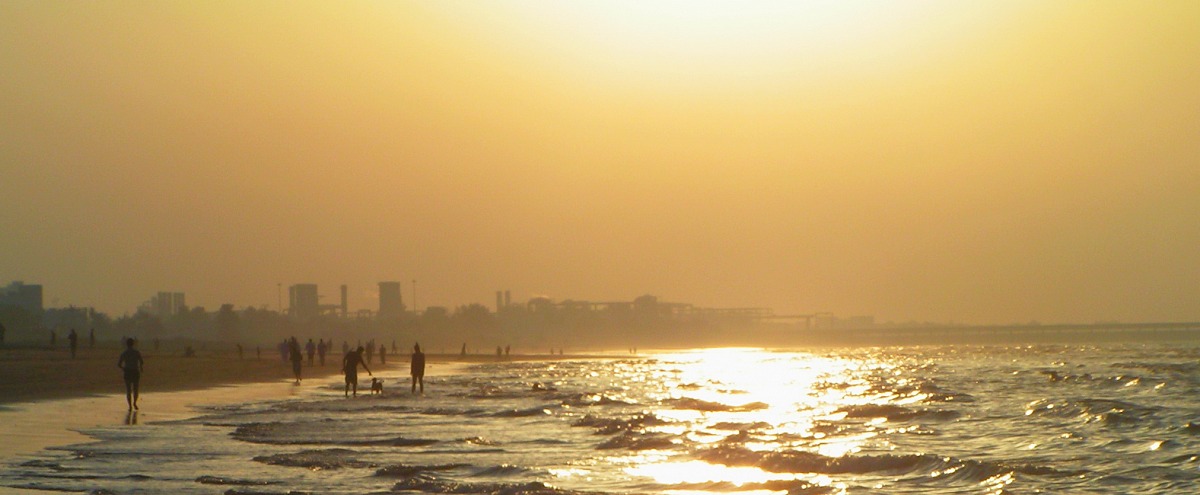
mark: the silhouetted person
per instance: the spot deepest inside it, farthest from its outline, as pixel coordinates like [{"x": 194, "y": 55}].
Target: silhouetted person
[
  {"x": 321, "y": 348},
  {"x": 241, "y": 352},
  {"x": 311, "y": 349},
  {"x": 53, "y": 339},
  {"x": 464, "y": 349},
  {"x": 506, "y": 349},
  {"x": 382, "y": 354},
  {"x": 350, "y": 365},
  {"x": 131, "y": 362},
  {"x": 418, "y": 369},
  {"x": 73, "y": 341},
  {"x": 393, "y": 347},
  {"x": 499, "y": 352},
  {"x": 92, "y": 339},
  {"x": 296, "y": 358},
  {"x": 370, "y": 350}
]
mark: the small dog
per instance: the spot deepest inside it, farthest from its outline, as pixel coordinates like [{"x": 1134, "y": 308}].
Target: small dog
[{"x": 376, "y": 386}]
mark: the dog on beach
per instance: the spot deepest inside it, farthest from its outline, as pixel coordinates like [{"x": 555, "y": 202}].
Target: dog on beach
[{"x": 376, "y": 386}]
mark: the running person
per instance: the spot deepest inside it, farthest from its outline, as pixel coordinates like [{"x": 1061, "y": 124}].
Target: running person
[{"x": 131, "y": 362}]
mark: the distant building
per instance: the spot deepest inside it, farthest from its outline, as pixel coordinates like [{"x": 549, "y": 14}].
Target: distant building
[
  {"x": 391, "y": 304},
  {"x": 22, "y": 295},
  {"x": 303, "y": 301}
]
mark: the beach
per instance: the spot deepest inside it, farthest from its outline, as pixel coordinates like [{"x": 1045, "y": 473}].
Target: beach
[{"x": 45, "y": 396}]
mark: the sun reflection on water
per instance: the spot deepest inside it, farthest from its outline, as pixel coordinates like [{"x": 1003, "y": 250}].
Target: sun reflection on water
[{"x": 728, "y": 391}]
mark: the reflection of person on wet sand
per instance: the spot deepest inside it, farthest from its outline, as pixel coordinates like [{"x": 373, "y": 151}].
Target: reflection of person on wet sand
[
  {"x": 350, "y": 368},
  {"x": 131, "y": 362},
  {"x": 418, "y": 369}
]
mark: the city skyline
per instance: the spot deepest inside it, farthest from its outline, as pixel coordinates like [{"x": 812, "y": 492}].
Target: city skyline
[{"x": 944, "y": 161}]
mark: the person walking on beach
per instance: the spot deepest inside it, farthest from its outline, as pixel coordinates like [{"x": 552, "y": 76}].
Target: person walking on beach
[
  {"x": 296, "y": 357},
  {"x": 382, "y": 354},
  {"x": 73, "y": 340},
  {"x": 350, "y": 367},
  {"x": 311, "y": 348},
  {"x": 131, "y": 362},
  {"x": 321, "y": 348},
  {"x": 370, "y": 350},
  {"x": 418, "y": 369},
  {"x": 53, "y": 339}
]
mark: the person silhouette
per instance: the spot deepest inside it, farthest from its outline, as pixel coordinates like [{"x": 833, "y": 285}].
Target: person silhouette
[
  {"x": 350, "y": 365},
  {"x": 131, "y": 362},
  {"x": 73, "y": 340},
  {"x": 321, "y": 348},
  {"x": 418, "y": 369},
  {"x": 296, "y": 357}
]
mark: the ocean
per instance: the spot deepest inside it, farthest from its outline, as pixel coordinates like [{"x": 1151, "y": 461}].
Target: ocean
[{"x": 1112, "y": 419}]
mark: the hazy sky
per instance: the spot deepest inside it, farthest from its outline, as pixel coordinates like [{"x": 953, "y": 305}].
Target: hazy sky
[{"x": 969, "y": 161}]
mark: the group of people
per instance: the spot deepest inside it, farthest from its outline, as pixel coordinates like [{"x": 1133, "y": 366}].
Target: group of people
[
  {"x": 353, "y": 359},
  {"x": 131, "y": 364}
]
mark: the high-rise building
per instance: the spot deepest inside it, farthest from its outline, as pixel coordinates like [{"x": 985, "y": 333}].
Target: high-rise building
[
  {"x": 167, "y": 304},
  {"x": 391, "y": 305},
  {"x": 303, "y": 301},
  {"x": 23, "y": 295}
]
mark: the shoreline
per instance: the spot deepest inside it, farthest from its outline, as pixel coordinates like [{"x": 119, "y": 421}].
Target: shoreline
[{"x": 35, "y": 416}]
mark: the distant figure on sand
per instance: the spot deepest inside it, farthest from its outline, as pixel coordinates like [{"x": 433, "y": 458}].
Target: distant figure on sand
[
  {"x": 311, "y": 349},
  {"x": 241, "y": 352},
  {"x": 418, "y": 369},
  {"x": 53, "y": 338},
  {"x": 131, "y": 362},
  {"x": 464, "y": 349},
  {"x": 296, "y": 357},
  {"x": 91, "y": 339},
  {"x": 73, "y": 340},
  {"x": 382, "y": 354},
  {"x": 321, "y": 348},
  {"x": 350, "y": 368}
]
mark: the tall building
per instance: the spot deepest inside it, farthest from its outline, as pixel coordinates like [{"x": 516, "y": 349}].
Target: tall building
[
  {"x": 167, "y": 304},
  {"x": 391, "y": 305},
  {"x": 23, "y": 295},
  {"x": 303, "y": 302}
]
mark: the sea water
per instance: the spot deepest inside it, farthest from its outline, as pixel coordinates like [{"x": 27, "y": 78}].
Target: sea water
[{"x": 953, "y": 419}]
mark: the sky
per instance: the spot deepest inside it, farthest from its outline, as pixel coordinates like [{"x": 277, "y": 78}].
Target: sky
[{"x": 970, "y": 162}]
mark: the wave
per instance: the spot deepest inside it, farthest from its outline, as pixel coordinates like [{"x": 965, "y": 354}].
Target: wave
[
  {"x": 609, "y": 426},
  {"x": 793, "y": 461},
  {"x": 897, "y": 413},
  {"x": 640, "y": 441},
  {"x": 323, "y": 460},
  {"x": 707, "y": 406},
  {"x": 436, "y": 486},
  {"x": 276, "y": 433},
  {"x": 217, "y": 480},
  {"x": 407, "y": 471},
  {"x": 1105, "y": 411}
]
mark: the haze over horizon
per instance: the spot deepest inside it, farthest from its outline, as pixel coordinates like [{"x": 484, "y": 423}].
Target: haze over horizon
[{"x": 937, "y": 161}]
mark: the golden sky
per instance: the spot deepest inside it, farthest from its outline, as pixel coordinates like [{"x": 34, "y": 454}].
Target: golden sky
[{"x": 980, "y": 162}]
